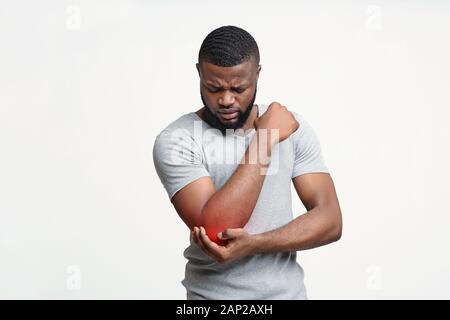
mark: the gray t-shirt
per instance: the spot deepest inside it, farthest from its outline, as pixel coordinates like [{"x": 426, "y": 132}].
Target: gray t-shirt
[{"x": 188, "y": 149}]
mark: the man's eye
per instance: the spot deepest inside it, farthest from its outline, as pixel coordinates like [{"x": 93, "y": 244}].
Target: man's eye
[
  {"x": 239, "y": 90},
  {"x": 213, "y": 90}
]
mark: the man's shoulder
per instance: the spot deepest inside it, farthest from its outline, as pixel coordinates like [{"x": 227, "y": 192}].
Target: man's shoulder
[
  {"x": 180, "y": 133},
  {"x": 264, "y": 106},
  {"x": 304, "y": 130},
  {"x": 185, "y": 121}
]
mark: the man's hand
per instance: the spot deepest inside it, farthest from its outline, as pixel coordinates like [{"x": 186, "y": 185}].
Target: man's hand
[
  {"x": 277, "y": 117},
  {"x": 239, "y": 244}
]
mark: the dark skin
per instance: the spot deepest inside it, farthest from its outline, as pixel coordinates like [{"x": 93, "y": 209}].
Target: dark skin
[
  {"x": 232, "y": 89},
  {"x": 217, "y": 217},
  {"x": 320, "y": 225}
]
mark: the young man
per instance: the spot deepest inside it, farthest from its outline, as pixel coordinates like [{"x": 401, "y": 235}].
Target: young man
[{"x": 227, "y": 169}]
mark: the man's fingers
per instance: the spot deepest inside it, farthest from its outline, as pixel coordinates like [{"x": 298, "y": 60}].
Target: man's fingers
[
  {"x": 211, "y": 246},
  {"x": 194, "y": 235},
  {"x": 228, "y": 234},
  {"x": 200, "y": 241},
  {"x": 197, "y": 240},
  {"x": 255, "y": 122}
]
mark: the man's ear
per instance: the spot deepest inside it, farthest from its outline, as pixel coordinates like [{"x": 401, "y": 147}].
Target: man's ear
[
  {"x": 197, "y": 65},
  {"x": 257, "y": 71}
]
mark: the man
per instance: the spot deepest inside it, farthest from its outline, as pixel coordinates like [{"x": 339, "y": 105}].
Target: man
[{"x": 227, "y": 169}]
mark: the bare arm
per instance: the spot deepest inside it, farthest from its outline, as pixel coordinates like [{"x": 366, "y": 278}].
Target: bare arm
[
  {"x": 233, "y": 204},
  {"x": 322, "y": 224},
  {"x": 199, "y": 204}
]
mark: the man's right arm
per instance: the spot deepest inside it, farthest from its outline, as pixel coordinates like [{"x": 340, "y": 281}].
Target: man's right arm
[{"x": 199, "y": 204}]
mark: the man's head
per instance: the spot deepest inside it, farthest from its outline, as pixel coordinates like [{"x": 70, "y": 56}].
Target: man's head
[{"x": 228, "y": 66}]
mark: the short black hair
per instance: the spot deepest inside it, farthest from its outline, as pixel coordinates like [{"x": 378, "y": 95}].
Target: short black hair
[{"x": 228, "y": 46}]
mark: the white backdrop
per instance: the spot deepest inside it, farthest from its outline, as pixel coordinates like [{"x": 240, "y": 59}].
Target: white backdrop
[{"x": 85, "y": 86}]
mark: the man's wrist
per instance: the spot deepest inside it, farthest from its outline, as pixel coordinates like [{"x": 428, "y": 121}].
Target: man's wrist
[
  {"x": 267, "y": 139},
  {"x": 259, "y": 150},
  {"x": 260, "y": 243}
]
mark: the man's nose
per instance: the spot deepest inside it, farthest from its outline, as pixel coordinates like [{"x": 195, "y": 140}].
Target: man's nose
[{"x": 227, "y": 99}]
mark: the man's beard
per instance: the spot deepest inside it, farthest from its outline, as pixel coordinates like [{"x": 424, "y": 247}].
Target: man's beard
[{"x": 214, "y": 121}]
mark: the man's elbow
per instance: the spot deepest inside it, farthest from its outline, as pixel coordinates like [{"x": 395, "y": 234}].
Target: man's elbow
[
  {"x": 337, "y": 234},
  {"x": 337, "y": 228},
  {"x": 215, "y": 221},
  {"x": 213, "y": 224}
]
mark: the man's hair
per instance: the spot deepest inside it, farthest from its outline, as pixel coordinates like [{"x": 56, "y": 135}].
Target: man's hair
[{"x": 228, "y": 46}]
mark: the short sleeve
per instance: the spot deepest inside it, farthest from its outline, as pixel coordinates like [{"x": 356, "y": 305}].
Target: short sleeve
[
  {"x": 178, "y": 160},
  {"x": 308, "y": 156}
]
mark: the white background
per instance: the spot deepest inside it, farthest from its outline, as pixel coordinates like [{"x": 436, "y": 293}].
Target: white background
[{"x": 85, "y": 86}]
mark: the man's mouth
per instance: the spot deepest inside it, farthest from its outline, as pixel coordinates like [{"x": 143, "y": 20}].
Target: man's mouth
[{"x": 229, "y": 116}]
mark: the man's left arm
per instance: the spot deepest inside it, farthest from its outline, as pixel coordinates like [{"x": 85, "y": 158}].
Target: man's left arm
[{"x": 320, "y": 225}]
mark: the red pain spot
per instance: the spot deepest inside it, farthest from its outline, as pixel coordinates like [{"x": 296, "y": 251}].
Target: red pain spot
[{"x": 212, "y": 234}]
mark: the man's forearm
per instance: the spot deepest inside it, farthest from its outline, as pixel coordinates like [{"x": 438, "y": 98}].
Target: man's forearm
[
  {"x": 317, "y": 227},
  {"x": 233, "y": 204}
]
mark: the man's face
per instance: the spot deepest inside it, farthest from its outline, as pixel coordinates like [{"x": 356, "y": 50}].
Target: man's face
[{"x": 228, "y": 93}]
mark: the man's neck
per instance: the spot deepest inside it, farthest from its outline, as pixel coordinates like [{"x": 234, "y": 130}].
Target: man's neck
[{"x": 248, "y": 124}]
